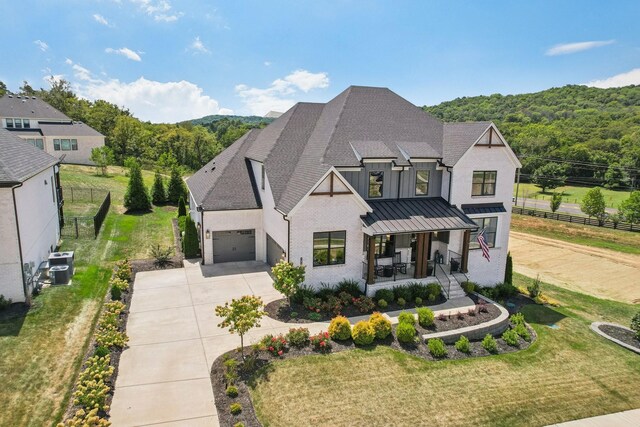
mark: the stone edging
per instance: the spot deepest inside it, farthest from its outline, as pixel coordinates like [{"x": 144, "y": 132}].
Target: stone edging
[
  {"x": 493, "y": 327},
  {"x": 595, "y": 328}
]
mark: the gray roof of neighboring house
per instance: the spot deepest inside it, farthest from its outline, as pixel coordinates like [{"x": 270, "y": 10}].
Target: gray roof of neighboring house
[
  {"x": 415, "y": 215},
  {"x": 458, "y": 138},
  {"x": 28, "y": 107},
  {"x": 299, "y": 147},
  {"x": 226, "y": 182},
  {"x": 20, "y": 160},
  {"x": 68, "y": 129}
]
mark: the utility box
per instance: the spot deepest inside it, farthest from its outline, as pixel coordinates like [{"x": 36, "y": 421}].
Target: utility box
[
  {"x": 60, "y": 274},
  {"x": 62, "y": 258}
]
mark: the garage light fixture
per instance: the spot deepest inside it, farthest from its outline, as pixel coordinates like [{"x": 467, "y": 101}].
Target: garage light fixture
[{"x": 207, "y": 234}]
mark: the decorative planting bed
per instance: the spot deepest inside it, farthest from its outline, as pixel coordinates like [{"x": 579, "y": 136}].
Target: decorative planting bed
[{"x": 618, "y": 334}]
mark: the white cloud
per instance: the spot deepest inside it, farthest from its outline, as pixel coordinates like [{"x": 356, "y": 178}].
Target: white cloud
[
  {"x": 158, "y": 102},
  {"x": 567, "y": 48},
  {"x": 101, "y": 20},
  {"x": 42, "y": 45},
  {"x": 277, "y": 97},
  {"x": 623, "y": 79},
  {"x": 160, "y": 10},
  {"x": 197, "y": 46},
  {"x": 267, "y": 63},
  {"x": 126, "y": 52}
]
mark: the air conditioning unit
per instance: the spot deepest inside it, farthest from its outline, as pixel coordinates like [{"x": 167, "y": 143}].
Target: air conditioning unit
[
  {"x": 60, "y": 274},
  {"x": 62, "y": 258}
]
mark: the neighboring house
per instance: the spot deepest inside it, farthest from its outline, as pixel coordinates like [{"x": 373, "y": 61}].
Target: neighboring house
[
  {"x": 43, "y": 126},
  {"x": 30, "y": 213},
  {"x": 366, "y": 187}
]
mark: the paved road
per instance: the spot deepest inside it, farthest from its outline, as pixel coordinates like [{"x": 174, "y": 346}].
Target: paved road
[
  {"x": 618, "y": 419},
  {"x": 569, "y": 208}
]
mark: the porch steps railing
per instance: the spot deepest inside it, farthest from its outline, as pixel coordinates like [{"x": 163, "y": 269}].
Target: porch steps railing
[{"x": 443, "y": 280}]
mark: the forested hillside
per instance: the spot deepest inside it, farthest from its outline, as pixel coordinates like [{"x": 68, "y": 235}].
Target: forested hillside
[
  {"x": 593, "y": 133},
  {"x": 251, "y": 120}
]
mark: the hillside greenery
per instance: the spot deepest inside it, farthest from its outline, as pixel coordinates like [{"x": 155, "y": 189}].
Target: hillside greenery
[{"x": 594, "y": 133}]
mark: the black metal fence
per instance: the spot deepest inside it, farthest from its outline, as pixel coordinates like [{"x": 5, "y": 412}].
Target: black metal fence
[
  {"x": 576, "y": 219},
  {"x": 78, "y": 227}
]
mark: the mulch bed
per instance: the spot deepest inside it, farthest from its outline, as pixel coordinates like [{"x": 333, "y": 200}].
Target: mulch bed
[
  {"x": 281, "y": 311},
  {"x": 262, "y": 363},
  {"x": 627, "y": 337},
  {"x": 452, "y": 322}
]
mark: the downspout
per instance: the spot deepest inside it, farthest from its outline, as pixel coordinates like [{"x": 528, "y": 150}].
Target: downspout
[
  {"x": 199, "y": 209},
  {"x": 449, "y": 189},
  {"x": 27, "y": 297}
]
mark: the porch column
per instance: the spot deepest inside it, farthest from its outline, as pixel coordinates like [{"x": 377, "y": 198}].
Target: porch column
[
  {"x": 371, "y": 253},
  {"x": 466, "y": 237},
  {"x": 417, "y": 274}
]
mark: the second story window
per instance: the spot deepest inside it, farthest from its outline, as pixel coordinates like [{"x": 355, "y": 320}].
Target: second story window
[
  {"x": 422, "y": 183},
  {"x": 9, "y": 123},
  {"x": 484, "y": 183},
  {"x": 376, "y": 179},
  {"x": 26, "y": 124},
  {"x": 17, "y": 123}
]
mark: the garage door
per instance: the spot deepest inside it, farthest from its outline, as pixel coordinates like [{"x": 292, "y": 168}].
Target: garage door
[
  {"x": 235, "y": 245},
  {"x": 274, "y": 251}
]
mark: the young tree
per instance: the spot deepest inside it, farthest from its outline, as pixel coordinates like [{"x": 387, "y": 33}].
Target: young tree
[
  {"x": 549, "y": 176},
  {"x": 182, "y": 209},
  {"x": 241, "y": 316},
  {"x": 190, "y": 244},
  {"x": 556, "y": 201},
  {"x": 176, "y": 187},
  {"x": 630, "y": 208},
  {"x": 287, "y": 278},
  {"x": 158, "y": 193},
  {"x": 593, "y": 204},
  {"x": 102, "y": 157},
  {"x": 508, "y": 271},
  {"x": 136, "y": 197}
]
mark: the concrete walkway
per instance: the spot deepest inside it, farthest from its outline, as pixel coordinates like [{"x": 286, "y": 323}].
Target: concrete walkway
[
  {"x": 619, "y": 419},
  {"x": 163, "y": 376}
]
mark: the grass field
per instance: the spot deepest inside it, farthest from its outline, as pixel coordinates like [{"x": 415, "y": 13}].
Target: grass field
[
  {"x": 41, "y": 352},
  {"x": 567, "y": 373},
  {"x": 572, "y": 194},
  {"x": 621, "y": 241}
]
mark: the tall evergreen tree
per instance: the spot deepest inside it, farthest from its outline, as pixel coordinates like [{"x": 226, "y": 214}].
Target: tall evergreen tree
[
  {"x": 190, "y": 244},
  {"x": 182, "y": 209},
  {"x": 176, "y": 188},
  {"x": 137, "y": 197},
  {"x": 158, "y": 193}
]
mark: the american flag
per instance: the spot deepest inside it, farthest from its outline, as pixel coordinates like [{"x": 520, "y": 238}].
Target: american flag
[{"x": 483, "y": 245}]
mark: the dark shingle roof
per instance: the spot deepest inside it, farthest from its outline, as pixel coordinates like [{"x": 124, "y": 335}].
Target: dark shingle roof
[
  {"x": 68, "y": 129},
  {"x": 225, "y": 183},
  {"x": 415, "y": 215},
  {"x": 483, "y": 208},
  {"x": 458, "y": 138},
  {"x": 27, "y": 107},
  {"x": 300, "y": 146},
  {"x": 20, "y": 160}
]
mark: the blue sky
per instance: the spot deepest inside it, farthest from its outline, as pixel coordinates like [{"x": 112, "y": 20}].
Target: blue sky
[{"x": 170, "y": 60}]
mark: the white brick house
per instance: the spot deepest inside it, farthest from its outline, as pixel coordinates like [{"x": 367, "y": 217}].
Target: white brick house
[
  {"x": 30, "y": 213},
  {"x": 46, "y": 128},
  {"x": 366, "y": 187}
]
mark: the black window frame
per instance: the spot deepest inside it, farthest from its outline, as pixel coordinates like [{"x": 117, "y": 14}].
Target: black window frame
[
  {"x": 385, "y": 245},
  {"x": 426, "y": 193},
  {"x": 56, "y": 145},
  {"x": 379, "y": 183},
  {"x": 489, "y": 234},
  {"x": 484, "y": 184},
  {"x": 74, "y": 145},
  {"x": 330, "y": 235},
  {"x": 9, "y": 122},
  {"x": 17, "y": 123},
  {"x": 26, "y": 124}
]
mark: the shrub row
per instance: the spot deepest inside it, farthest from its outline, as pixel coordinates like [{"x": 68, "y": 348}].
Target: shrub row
[{"x": 416, "y": 292}]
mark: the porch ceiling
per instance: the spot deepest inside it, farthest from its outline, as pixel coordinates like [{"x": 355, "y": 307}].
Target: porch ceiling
[{"x": 414, "y": 216}]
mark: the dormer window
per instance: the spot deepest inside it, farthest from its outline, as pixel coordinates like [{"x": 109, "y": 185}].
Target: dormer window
[
  {"x": 376, "y": 179},
  {"x": 9, "y": 123},
  {"x": 17, "y": 123},
  {"x": 422, "y": 183},
  {"x": 26, "y": 124}
]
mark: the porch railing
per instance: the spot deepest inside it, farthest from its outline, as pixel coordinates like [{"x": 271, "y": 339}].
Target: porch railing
[
  {"x": 388, "y": 273},
  {"x": 443, "y": 279},
  {"x": 455, "y": 262}
]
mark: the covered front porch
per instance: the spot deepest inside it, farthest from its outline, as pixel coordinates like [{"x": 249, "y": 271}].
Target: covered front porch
[{"x": 415, "y": 239}]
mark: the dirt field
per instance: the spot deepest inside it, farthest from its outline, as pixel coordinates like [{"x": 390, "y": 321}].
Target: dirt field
[{"x": 598, "y": 272}]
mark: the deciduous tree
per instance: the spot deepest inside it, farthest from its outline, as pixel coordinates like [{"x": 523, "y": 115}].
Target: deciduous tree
[
  {"x": 287, "y": 278},
  {"x": 241, "y": 316},
  {"x": 549, "y": 176},
  {"x": 102, "y": 157},
  {"x": 593, "y": 204},
  {"x": 630, "y": 208}
]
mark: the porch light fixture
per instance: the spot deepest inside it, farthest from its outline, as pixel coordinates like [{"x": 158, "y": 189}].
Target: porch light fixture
[{"x": 207, "y": 234}]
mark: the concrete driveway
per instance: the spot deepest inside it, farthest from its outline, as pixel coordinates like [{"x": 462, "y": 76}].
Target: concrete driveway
[{"x": 163, "y": 376}]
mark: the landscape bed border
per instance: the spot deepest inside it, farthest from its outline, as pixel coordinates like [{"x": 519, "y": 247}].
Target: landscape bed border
[{"x": 595, "y": 327}]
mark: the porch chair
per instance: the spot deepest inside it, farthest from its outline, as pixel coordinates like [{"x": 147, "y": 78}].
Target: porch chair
[{"x": 398, "y": 265}]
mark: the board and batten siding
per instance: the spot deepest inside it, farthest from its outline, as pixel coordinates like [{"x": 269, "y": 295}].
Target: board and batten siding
[{"x": 360, "y": 180}]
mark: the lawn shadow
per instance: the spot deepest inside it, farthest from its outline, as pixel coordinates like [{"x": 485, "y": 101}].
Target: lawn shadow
[
  {"x": 542, "y": 315},
  {"x": 12, "y": 319}
]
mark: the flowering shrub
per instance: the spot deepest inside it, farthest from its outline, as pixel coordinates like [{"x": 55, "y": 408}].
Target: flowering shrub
[
  {"x": 321, "y": 342},
  {"x": 298, "y": 337},
  {"x": 313, "y": 304},
  {"x": 85, "y": 419},
  {"x": 277, "y": 345},
  {"x": 345, "y": 298},
  {"x": 92, "y": 388},
  {"x": 122, "y": 285},
  {"x": 115, "y": 307},
  {"x": 381, "y": 325},
  {"x": 363, "y": 333},
  {"x": 287, "y": 278},
  {"x": 111, "y": 336},
  {"x": 123, "y": 270},
  {"x": 340, "y": 328},
  {"x": 332, "y": 305},
  {"x": 364, "y": 304}
]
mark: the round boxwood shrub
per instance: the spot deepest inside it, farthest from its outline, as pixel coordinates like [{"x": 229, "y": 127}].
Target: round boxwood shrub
[
  {"x": 425, "y": 316},
  {"x": 382, "y": 303},
  {"x": 463, "y": 345},
  {"x": 406, "y": 332},
  {"x": 235, "y": 408},
  {"x": 510, "y": 336},
  {"x": 418, "y": 301},
  {"x": 340, "y": 328},
  {"x": 406, "y": 317},
  {"x": 468, "y": 287},
  {"x": 437, "y": 348},
  {"x": 363, "y": 333},
  {"x": 489, "y": 343},
  {"x": 381, "y": 325},
  {"x": 232, "y": 391},
  {"x": 401, "y": 302}
]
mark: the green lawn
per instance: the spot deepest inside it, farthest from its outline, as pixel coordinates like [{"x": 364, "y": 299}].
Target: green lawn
[
  {"x": 567, "y": 373},
  {"x": 41, "y": 352},
  {"x": 572, "y": 194},
  {"x": 621, "y": 241}
]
